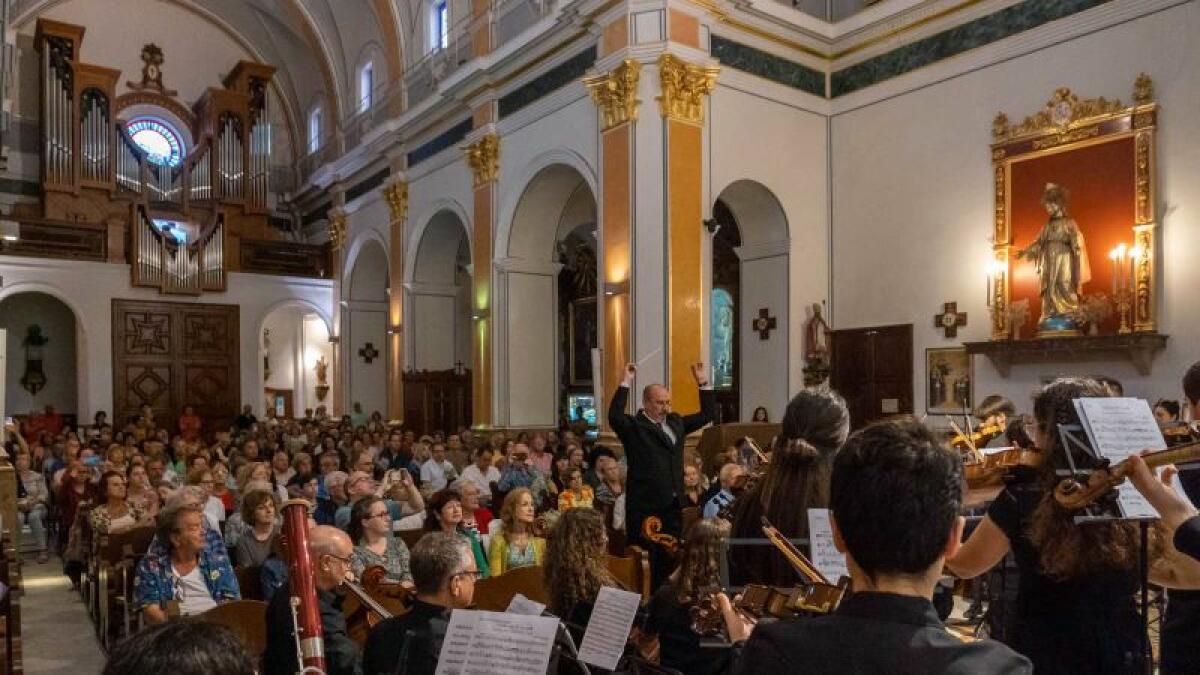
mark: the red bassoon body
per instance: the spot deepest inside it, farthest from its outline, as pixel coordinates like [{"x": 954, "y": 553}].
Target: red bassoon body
[{"x": 302, "y": 587}]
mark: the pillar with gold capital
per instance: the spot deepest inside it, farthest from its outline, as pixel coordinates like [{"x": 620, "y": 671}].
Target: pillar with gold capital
[
  {"x": 483, "y": 156},
  {"x": 337, "y": 254},
  {"x": 396, "y": 195}
]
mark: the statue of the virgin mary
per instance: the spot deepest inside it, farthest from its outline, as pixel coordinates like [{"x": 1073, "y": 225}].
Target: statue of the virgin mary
[{"x": 1062, "y": 265}]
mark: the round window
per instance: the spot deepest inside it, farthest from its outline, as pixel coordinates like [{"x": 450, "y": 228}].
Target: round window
[{"x": 161, "y": 143}]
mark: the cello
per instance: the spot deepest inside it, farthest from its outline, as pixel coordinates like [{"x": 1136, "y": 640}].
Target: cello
[{"x": 372, "y": 600}]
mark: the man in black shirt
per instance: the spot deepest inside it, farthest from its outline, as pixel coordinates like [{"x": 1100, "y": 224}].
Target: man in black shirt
[
  {"x": 444, "y": 573},
  {"x": 330, "y": 549},
  {"x": 895, "y": 498}
]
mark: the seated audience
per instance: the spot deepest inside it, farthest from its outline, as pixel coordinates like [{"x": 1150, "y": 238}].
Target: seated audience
[
  {"x": 183, "y": 647},
  {"x": 814, "y": 426},
  {"x": 259, "y": 510},
  {"x": 576, "y": 494},
  {"x": 728, "y": 479},
  {"x": 574, "y": 569},
  {"x": 476, "y": 516},
  {"x": 214, "y": 510},
  {"x": 329, "y": 549},
  {"x": 33, "y": 508},
  {"x": 692, "y": 488},
  {"x": 444, "y": 513},
  {"x": 669, "y": 612},
  {"x": 141, "y": 492},
  {"x": 444, "y": 574},
  {"x": 437, "y": 471},
  {"x": 220, "y": 487},
  {"x": 114, "y": 514},
  {"x": 482, "y": 474},
  {"x": 895, "y": 498},
  {"x": 515, "y": 545},
  {"x": 182, "y": 576},
  {"x": 521, "y": 472},
  {"x": 374, "y": 545}
]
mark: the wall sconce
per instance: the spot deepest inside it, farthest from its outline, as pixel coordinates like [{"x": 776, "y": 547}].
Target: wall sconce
[
  {"x": 616, "y": 287},
  {"x": 10, "y": 230},
  {"x": 333, "y": 339},
  {"x": 479, "y": 315},
  {"x": 394, "y": 330},
  {"x": 712, "y": 226}
]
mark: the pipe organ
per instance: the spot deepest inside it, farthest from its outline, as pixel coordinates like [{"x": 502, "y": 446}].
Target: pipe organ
[{"x": 217, "y": 182}]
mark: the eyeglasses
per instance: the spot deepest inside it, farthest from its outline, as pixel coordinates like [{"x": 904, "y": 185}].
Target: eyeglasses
[
  {"x": 344, "y": 561},
  {"x": 379, "y": 515},
  {"x": 474, "y": 574}
]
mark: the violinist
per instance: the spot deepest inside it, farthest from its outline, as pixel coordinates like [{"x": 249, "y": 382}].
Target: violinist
[
  {"x": 994, "y": 412},
  {"x": 330, "y": 550},
  {"x": 895, "y": 497},
  {"x": 731, "y": 474},
  {"x": 669, "y": 615},
  {"x": 1075, "y": 609},
  {"x": 814, "y": 426}
]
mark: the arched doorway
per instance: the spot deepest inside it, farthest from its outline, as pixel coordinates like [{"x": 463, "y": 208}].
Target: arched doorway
[
  {"x": 547, "y": 281},
  {"x": 41, "y": 355},
  {"x": 364, "y": 338},
  {"x": 294, "y": 357},
  {"x": 749, "y": 289}
]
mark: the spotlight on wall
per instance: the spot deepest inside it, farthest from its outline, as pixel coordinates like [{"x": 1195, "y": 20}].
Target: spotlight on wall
[
  {"x": 333, "y": 339},
  {"x": 10, "y": 230},
  {"x": 712, "y": 226},
  {"x": 393, "y": 330},
  {"x": 616, "y": 288},
  {"x": 479, "y": 315}
]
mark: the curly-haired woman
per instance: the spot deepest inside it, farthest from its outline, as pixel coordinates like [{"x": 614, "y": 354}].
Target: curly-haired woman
[
  {"x": 514, "y": 545},
  {"x": 574, "y": 568},
  {"x": 670, "y": 608}
]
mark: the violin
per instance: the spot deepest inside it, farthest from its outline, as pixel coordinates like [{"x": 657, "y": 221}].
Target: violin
[
  {"x": 814, "y": 595},
  {"x": 373, "y": 601},
  {"x": 988, "y": 470},
  {"x": 1179, "y": 433},
  {"x": 652, "y": 532},
  {"x": 980, "y": 437},
  {"x": 1078, "y": 492}
]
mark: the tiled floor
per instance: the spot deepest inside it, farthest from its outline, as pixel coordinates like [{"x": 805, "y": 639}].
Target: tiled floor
[{"x": 57, "y": 635}]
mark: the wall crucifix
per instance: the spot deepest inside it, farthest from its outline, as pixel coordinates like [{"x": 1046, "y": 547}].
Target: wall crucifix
[
  {"x": 764, "y": 324},
  {"x": 368, "y": 352},
  {"x": 950, "y": 319}
]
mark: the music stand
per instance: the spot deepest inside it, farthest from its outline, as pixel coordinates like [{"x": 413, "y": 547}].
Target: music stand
[{"x": 1074, "y": 437}]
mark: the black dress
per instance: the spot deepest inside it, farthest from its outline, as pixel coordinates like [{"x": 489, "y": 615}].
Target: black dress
[
  {"x": 679, "y": 646},
  {"x": 1181, "y": 622},
  {"x": 1084, "y": 625}
]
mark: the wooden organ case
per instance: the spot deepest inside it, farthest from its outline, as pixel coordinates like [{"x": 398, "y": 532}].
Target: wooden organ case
[{"x": 94, "y": 173}]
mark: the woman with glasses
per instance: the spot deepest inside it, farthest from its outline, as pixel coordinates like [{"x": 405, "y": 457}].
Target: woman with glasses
[
  {"x": 374, "y": 545},
  {"x": 255, "y": 545},
  {"x": 444, "y": 513},
  {"x": 214, "y": 510},
  {"x": 115, "y": 514},
  {"x": 576, "y": 494}
]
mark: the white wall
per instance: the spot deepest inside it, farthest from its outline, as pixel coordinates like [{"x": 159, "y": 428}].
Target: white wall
[
  {"x": 88, "y": 289},
  {"x": 912, "y": 194},
  {"x": 17, "y": 313}
]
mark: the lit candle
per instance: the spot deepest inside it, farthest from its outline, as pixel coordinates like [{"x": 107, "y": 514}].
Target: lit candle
[
  {"x": 1112, "y": 255},
  {"x": 1135, "y": 254},
  {"x": 1121, "y": 266}
]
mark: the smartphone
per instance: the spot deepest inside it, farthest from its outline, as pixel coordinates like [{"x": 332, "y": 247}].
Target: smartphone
[{"x": 401, "y": 475}]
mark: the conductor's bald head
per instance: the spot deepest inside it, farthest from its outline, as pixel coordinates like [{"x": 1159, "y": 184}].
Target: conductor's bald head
[{"x": 656, "y": 401}]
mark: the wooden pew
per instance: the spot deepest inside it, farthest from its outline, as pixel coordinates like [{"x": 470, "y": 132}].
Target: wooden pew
[
  {"x": 410, "y": 537},
  {"x": 246, "y": 618},
  {"x": 494, "y": 593},
  {"x": 633, "y": 571},
  {"x": 10, "y": 607},
  {"x": 116, "y": 563}
]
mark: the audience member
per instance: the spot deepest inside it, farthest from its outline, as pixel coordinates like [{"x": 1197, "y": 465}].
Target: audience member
[
  {"x": 185, "y": 578},
  {"x": 444, "y": 513},
  {"x": 437, "y": 471},
  {"x": 259, "y": 510},
  {"x": 515, "y": 545},
  {"x": 33, "y": 507},
  {"x": 482, "y": 473},
  {"x": 728, "y": 479},
  {"x": 374, "y": 545},
  {"x": 114, "y": 514},
  {"x": 575, "y": 494}
]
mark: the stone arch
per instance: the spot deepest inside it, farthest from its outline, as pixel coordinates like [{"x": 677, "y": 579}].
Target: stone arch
[
  {"x": 438, "y": 294},
  {"x": 365, "y": 325},
  {"x": 308, "y": 343},
  {"x": 81, "y": 362}
]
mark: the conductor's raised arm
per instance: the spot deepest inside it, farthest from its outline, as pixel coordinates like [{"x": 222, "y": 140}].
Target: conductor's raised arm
[
  {"x": 618, "y": 419},
  {"x": 708, "y": 402}
]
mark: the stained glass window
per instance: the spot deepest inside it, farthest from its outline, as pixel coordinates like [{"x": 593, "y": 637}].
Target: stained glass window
[
  {"x": 722, "y": 338},
  {"x": 172, "y": 228},
  {"x": 162, "y": 144}
]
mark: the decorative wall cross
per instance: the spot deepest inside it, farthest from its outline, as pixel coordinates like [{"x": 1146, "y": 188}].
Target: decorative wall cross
[
  {"x": 368, "y": 352},
  {"x": 950, "y": 319},
  {"x": 764, "y": 324}
]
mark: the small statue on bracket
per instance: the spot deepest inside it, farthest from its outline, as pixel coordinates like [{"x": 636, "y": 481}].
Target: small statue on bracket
[
  {"x": 816, "y": 348},
  {"x": 1061, "y": 258}
]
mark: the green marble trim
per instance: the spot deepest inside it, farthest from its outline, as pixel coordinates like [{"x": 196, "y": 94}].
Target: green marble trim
[
  {"x": 767, "y": 66},
  {"x": 319, "y": 213},
  {"x": 25, "y": 188},
  {"x": 557, "y": 77},
  {"x": 367, "y": 184},
  {"x": 440, "y": 142},
  {"x": 983, "y": 31}
]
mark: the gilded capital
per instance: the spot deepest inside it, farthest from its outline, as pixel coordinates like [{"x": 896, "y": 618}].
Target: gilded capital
[
  {"x": 484, "y": 159},
  {"x": 396, "y": 195},
  {"x": 684, "y": 86},
  {"x": 337, "y": 230},
  {"x": 615, "y": 93}
]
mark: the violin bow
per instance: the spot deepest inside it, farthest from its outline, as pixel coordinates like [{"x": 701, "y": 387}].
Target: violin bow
[
  {"x": 762, "y": 456},
  {"x": 966, "y": 437},
  {"x": 802, "y": 564}
]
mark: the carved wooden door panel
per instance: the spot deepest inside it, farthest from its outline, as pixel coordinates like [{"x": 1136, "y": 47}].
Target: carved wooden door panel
[
  {"x": 168, "y": 355},
  {"x": 872, "y": 369}
]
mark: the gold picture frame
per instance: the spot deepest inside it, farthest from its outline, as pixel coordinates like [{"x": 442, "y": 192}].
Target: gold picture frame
[
  {"x": 949, "y": 381},
  {"x": 1067, "y": 123}
]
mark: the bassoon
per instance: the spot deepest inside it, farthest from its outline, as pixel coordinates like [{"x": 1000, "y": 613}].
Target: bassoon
[{"x": 306, "y": 613}]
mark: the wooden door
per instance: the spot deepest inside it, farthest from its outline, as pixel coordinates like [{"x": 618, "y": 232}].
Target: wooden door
[
  {"x": 168, "y": 355},
  {"x": 437, "y": 401},
  {"x": 873, "y": 370}
]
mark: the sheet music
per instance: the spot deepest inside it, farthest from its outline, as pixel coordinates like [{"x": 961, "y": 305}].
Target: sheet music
[
  {"x": 1118, "y": 428},
  {"x": 608, "y": 629},
  {"x": 496, "y": 643},
  {"x": 523, "y": 605},
  {"x": 823, "y": 553}
]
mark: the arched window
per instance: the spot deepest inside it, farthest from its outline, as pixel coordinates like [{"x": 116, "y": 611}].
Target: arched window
[
  {"x": 161, "y": 142},
  {"x": 441, "y": 24},
  {"x": 366, "y": 86},
  {"x": 314, "y": 129}
]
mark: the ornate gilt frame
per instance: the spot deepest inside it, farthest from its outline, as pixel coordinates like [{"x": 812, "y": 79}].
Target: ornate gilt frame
[{"x": 1064, "y": 123}]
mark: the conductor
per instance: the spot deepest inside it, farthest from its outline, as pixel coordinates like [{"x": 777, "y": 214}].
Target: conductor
[{"x": 653, "y": 441}]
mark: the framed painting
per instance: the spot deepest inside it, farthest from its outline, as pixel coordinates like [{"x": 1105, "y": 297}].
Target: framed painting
[
  {"x": 1092, "y": 161},
  {"x": 582, "y": 323},
  {"x": 949, "y": 381}
]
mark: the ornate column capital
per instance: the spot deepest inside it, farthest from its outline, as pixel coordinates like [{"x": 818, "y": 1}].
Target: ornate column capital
[
  {"x": 396, "y": 195},
  {"x": 337, "y": 229},
  {"x": 615, "y": 93},
  {"x": 684, "y": 86},
  {"x": 483, "y": 157}
]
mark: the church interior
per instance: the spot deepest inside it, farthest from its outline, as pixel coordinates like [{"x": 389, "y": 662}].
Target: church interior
[{"x": 418, "y": 276}]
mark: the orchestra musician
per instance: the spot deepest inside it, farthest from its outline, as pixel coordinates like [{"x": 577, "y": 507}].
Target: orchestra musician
[
  {"x": 815, "y": 424},
  {"x": 995, "y": 411},
  {"x": 653, "y": 441},
  {"x": 1075, "y": 609},
  {"x": 895, "y": 498},
  {"x": 330, "y": 550}
]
